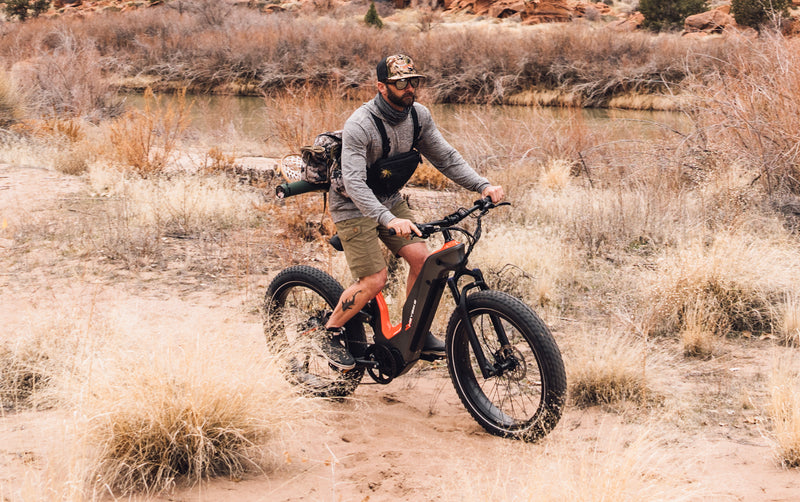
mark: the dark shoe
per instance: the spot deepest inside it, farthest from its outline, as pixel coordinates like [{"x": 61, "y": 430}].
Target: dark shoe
[
  {"x": 433, "y": 348},
  {"x": 330, "y": 345}
]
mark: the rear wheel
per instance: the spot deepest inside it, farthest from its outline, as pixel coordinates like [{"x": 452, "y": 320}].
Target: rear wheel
[
  {"x": 298, "y": 303},
  {"x": 524, "y": 398}
]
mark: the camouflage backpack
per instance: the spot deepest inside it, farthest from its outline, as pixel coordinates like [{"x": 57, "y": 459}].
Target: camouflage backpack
[{"x": 322, "y": 161}]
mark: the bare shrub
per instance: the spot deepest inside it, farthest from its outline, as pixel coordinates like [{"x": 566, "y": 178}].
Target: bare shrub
[
  {"x": 66, "y": 78},
  {"x": 218, "y": 162},
  {"x": 145, "y": 141},
  {"x": 257, "y": 52},
  {"x": 748, "y": 111}
]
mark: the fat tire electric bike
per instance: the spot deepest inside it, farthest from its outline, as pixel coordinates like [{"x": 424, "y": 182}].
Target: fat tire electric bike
[{"x": 502, "y": 359}]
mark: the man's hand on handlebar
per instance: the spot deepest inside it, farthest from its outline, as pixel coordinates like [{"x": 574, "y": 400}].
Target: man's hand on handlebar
[
  {"x": 403, "y": 227},
  {"x": 494, "y": 192}
]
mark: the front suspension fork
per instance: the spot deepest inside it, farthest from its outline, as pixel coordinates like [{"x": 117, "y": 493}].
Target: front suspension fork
[{"x": 488, "y": 368}]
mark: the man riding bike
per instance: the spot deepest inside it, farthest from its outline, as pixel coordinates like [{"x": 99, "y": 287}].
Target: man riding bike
[{"x": 381, "y": 144}]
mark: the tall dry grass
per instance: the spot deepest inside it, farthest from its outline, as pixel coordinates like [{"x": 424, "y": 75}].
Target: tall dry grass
[
  {"x": 145, "y": 142},
  {"x": 784, "y": 411},
  {"x": 733, "y": 284}
]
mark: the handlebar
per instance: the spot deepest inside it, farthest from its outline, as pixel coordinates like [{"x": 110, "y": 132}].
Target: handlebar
[
  {"x": 483, "y": 205},
  {"x": 447, "y": 223}
]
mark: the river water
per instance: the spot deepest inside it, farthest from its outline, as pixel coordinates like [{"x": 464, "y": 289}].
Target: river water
[{"x": 248, "y": 118}]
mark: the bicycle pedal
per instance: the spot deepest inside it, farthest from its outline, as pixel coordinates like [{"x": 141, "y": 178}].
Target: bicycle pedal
[{"x": 432, "y": 357}]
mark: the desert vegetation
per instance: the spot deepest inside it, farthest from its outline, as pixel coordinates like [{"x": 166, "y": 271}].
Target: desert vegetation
[
  {"x": 243, "y": 51},
  {"x": 656, "y": 261}
]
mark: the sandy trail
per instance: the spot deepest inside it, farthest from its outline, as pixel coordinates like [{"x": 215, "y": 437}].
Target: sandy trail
[{"x": 409, "y": 440}]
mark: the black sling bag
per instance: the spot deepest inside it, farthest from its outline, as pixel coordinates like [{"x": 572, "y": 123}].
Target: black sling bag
[{"x": 389, "y": 174}]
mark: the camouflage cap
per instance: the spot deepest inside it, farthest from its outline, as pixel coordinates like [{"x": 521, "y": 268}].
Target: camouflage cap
[{"x": 395, "y": 67}]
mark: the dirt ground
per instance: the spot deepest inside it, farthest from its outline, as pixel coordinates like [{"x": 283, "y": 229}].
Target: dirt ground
[{"x": 409, "y": 440}]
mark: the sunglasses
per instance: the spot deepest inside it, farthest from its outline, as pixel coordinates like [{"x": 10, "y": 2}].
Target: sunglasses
[{"x": 404, "y": 82}]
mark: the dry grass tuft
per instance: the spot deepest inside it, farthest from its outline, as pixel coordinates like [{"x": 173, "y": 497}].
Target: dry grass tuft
[
  {"x": 555, "y": 174},
  {"x": 37, "y": 360},
  {"x": 186, "y": 415},
  {"x": 784, "y": 411},
  {"x": 610, "y": 369},
  {"x": 731, "y": 284},
  {"x": 23, "y": 374},
  {"x": 696, "y": 336}
]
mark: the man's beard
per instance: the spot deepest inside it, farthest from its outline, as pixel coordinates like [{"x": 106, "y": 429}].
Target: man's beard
[{"x": 404, "y": 100}]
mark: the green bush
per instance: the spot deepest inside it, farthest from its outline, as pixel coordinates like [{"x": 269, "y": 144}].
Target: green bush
[
  {"x": 21, "y": 9},
  {"x": 669, "y": 14},
  {"x": 757, "y": 13},
  {"x": 372, "y": 18}
]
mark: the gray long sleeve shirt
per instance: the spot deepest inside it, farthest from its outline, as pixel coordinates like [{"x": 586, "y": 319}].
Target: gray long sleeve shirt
[{"x": 362, "y": 146}]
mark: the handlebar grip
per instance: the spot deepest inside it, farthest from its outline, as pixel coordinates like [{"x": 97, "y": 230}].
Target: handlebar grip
[{"x": 424, "y": 229}]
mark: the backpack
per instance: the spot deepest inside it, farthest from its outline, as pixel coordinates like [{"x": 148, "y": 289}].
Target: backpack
[
  {"x": 321, "y": 158},
  {"x": 322, "y": 161}
]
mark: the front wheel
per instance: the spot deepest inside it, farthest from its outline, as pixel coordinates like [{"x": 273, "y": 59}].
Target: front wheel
[
  {"x": 298, "y": 302},
  {"x": 523, "y": 395}
]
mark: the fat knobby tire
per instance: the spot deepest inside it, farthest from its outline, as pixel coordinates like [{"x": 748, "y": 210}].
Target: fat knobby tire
[
  {"x": 329, "y": 289},
  {"x": 547, "y": 357}
]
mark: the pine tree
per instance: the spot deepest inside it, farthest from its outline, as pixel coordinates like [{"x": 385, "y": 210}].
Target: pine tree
[{"x": 372, "y": 18}]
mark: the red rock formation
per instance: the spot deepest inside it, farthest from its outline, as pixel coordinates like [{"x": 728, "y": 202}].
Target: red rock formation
[
  {"x": 713, "y": 21},
  {"x": 531, "y": 11},
  {"x": 546, "y": 11},
  {"x": 580, "y": 8},
  {"x": 630, "y": 23}
]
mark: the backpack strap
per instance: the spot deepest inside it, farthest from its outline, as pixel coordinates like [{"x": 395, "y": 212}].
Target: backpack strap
[
  {"x": 416, "y": 126},
  {"x": 385, "y": 138}
]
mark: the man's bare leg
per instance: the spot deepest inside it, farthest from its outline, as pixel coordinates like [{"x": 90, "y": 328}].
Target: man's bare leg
[
  {"x": 355, "y": 297},
  {"x": 415, "y": 254}
]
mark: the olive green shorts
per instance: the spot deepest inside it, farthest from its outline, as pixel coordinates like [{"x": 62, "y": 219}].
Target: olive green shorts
[{"x": 360, "y": 240}]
